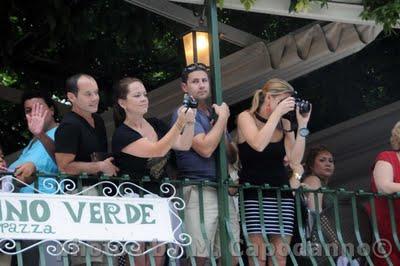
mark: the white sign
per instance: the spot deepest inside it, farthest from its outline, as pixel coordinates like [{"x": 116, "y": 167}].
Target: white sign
[{"x": 66, "y": 217}]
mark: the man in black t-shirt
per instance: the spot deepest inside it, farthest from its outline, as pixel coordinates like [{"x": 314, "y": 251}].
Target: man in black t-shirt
[
  {"x": 81, "y": 137},
  {"x": 81, "y": 140}
]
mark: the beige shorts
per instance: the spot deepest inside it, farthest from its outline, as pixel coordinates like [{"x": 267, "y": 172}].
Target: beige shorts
[{"x": 205, "y": 236}]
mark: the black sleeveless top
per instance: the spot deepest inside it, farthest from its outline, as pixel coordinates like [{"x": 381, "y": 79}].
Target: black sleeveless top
[{"x": 265, "y": 167}]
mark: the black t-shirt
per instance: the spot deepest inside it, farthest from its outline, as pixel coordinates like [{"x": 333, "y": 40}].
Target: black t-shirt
[
  {"x": 76, "y": 136},
  {"x": 134, "y": 166}
]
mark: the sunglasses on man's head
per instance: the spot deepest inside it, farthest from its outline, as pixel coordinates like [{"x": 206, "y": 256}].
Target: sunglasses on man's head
[{"x": 195, "y": 66}]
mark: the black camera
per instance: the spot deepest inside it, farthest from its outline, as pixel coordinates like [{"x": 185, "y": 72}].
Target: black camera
[
  {"x": 304, "y": 108},
  {"x": 303, "y": 105},
  {"x": 189, "y": 101}
]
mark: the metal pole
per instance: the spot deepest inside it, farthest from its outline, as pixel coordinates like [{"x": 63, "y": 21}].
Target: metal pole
[{"x": 222, "y": 169}]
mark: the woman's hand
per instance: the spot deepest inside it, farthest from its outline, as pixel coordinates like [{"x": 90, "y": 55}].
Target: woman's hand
[
  {"x": 285, "y": 106},
  {"x": 190, "y": 116},
  {"x": 302, "y": 119},
  {"x": 297, "y": 168},
  {"x": 186, "y": 115},
  {"x": 295, "y": 179}
]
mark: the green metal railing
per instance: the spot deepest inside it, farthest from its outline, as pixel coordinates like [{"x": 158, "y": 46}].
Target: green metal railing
[{"x": 342, "y": 229}]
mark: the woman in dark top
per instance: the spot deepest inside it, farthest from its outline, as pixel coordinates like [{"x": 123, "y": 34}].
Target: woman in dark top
[
  {"x": 319, "y": 168},
  {"x": 140, "y": 145},
  {"x": 264, "y": 139}
]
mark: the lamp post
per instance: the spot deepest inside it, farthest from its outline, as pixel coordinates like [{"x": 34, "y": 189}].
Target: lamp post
[
  {"x": 197, "y": 48},
  {"x": 196, "y": 42},
  {"x": 222, "y": 166}
]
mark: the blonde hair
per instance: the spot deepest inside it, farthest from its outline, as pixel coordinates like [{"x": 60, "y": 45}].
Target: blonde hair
[
  {"x": 395, "y": 138},
  {"x": 272, "y": 87}
]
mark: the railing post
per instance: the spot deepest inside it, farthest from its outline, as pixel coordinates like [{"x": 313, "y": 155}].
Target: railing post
[{"x": 222, "y": 169}]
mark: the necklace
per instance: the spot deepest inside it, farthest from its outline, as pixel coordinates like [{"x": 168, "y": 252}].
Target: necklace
[{"x": 260, "y": 118}]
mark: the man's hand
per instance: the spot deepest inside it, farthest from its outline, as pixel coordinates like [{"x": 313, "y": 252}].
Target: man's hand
[
  {"x": 24, "y": 172},
  {"x": 108, "y": 168},
  {"x": 222, "y": 110},
  {"x": 36, "y": 119}
]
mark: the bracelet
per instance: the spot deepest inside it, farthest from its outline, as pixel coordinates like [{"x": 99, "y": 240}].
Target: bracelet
[
  {"x": 189, "y": 123},
  {"x": 297, "y": 176}
]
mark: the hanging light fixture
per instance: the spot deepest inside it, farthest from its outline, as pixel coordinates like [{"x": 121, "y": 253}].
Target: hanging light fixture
[
  {"x": 197, "y": 49},
  {"x": 196, "y": 44}
]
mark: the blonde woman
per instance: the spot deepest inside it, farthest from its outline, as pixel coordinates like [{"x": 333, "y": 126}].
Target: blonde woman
[
  {"x": 386, "y": 179},
  {"x": 264, "y": 139}
]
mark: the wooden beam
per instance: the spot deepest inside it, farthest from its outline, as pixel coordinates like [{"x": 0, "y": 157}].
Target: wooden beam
[
  {"x": 345, "y": 12},
  {"x": 185, "y": 16}
]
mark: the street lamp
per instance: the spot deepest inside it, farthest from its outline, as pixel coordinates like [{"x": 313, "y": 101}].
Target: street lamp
[{"x": 197, "y": 48}]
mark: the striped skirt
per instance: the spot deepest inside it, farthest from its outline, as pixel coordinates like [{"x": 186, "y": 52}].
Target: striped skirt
[{"x": 271, "y": 215}]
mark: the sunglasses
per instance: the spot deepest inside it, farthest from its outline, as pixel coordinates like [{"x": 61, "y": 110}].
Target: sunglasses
[{"x": 194, "y": 67}]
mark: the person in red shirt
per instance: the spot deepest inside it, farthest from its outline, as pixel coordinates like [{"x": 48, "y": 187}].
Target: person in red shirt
[{"x": 386, "y": 179}]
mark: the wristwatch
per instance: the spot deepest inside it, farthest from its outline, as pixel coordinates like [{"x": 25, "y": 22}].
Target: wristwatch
[{"x": 304, "y": 132}]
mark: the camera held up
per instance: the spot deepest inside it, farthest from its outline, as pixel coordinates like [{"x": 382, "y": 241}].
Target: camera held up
[
  {"x": 189, "y": 102},
  {"x": 304, "y": 108}
]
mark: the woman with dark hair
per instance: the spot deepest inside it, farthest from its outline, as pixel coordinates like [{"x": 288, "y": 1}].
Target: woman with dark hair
[
  {"x": 141, "y": 146},
  {"x": 264, "y": 139},
  {"x": 319, "y": 167}
]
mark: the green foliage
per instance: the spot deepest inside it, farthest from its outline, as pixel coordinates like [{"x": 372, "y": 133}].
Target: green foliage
[
  {"x": 44, "y": 42},
  {"x": 303, "y": 5},
  {"x": 246, "y": 3},
  {"x": 8, "y": 78},
  {"x": 385, "y": 12},
  {"x": 55, "y": 38}
]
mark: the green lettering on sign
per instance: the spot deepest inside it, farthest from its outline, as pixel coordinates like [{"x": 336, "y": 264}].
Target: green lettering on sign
[
  {"x": 95, "y": 215},
  {"x": 146, "y": 214},
  {"x": 22, "y": 214},
  {"x": 33, "y": 210},
  {"x": 110, "y": 210},
  {"x": 132, "y": 213},
  {"x": 75, "y": 217}
]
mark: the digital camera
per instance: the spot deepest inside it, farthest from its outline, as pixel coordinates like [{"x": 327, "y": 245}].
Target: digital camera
[
  {"x": 303, "y": 105},
  {"x": 189, "y": 101},
  {"x": 304, "y": 108}
]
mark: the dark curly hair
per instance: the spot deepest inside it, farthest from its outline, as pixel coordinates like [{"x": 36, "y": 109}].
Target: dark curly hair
[{"x": 310, "y": 159}]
